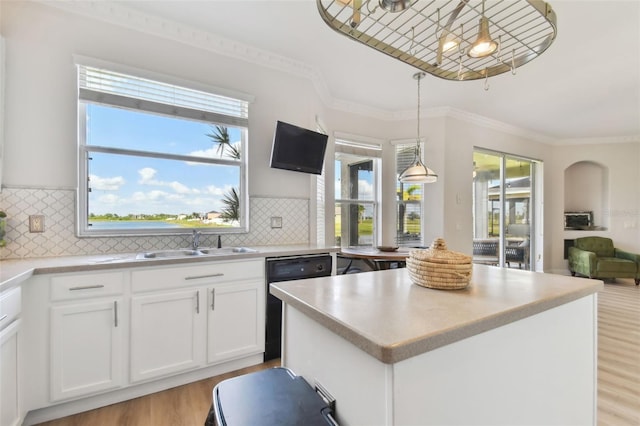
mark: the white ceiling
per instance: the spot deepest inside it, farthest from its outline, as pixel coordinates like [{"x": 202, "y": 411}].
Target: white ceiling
[{"x": 586, "y": 85}]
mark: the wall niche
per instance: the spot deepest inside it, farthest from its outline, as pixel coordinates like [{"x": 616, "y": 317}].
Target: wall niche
[{"x": 586, "y": 189}]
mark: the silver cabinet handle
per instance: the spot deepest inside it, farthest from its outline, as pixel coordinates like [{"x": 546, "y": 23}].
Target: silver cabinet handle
[
  {"x": 198, "y": 302},
  {"x": 4, "y": 317},
  {"x": 196, "y": 277},
  {"x": 213, "y": 299},
  {"x": 86, "y": 287},
  {"x": 115, "y": 313}
]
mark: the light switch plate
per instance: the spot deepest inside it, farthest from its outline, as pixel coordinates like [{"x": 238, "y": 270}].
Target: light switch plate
[
  {"x": 36, "y": 223},
  {"x": 276, "y": 222}
]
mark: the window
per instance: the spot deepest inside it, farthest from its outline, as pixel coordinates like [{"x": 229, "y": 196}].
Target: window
[
  {"x": 408, "y": 200},
  {"x": 320, "y": 195},
  {"x": 158, "y": 158},
  {"x": 356, "y": 193}
]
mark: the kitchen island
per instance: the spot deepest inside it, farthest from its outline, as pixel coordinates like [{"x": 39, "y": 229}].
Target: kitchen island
[{"x": 515, "y": 347}]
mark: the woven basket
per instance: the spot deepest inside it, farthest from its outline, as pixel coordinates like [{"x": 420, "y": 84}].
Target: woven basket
[{"x": 439, "y": 268}]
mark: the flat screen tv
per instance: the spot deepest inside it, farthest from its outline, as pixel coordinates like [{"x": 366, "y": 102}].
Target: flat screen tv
[{"x": 298, "y": 149}]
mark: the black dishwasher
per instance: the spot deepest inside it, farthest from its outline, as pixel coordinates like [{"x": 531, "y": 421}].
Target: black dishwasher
[{"x": 286, "y": 269}]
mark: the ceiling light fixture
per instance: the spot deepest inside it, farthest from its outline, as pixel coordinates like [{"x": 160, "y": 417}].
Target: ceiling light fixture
[
  {"x": 395, "y": 5},
  {"x": 417, "y": 172},
  {"x": 423, "y": 33},
  {"x": 484, "y": 44}
]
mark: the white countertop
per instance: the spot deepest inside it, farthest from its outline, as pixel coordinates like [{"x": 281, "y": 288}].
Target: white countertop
[
  {"x": 390, "y": 318},
  {"x": 12, "y": 272}
]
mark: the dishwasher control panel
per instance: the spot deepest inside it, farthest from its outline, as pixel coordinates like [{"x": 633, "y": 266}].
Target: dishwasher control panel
[{"x": 298, "y": 267}]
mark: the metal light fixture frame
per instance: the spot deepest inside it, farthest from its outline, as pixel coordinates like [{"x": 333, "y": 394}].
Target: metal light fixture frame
[
  {"x": 417, "y": 171},
  {"x": 415, "y": 34}
]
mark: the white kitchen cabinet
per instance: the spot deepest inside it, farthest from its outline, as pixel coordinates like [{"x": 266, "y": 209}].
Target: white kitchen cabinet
[
  {"x": 187, "y": 317},
  {"x": 86, "y": 348},
  {"x": 10, "y": 359},
  {"x": 87, "y": 334},
  {"x": 94, "y": 338},
  {"x": 10, "y": 407},
  {"x": 166, "y": 333},
  {"x": 235, "y": 320}
]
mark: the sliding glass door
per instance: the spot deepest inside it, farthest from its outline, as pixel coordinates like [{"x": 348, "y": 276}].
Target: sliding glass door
[{"x": 503, "y": 213}]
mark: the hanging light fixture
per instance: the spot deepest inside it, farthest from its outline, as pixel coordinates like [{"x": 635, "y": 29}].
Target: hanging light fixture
[
  {"x": 424, "y": 34},
  {"x": 417, "y": 172},
  {"x": 395, "y": 5},
  {"x": 484, "y": 44}
]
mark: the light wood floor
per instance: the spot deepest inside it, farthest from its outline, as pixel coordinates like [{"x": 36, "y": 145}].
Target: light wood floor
[
  {"x": 618, "y": 376},
  {"x": 619, "y": 354},
  {"x": 186, "y": 405}
]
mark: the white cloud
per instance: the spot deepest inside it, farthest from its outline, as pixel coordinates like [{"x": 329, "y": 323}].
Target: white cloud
[
  {"x": 109, "y": 199},
  {"x": 146, "y": 176},
  {"x": 211, "y": 153},
  {"x": 106, "y": 184},
  {"x": 181, "y": 189},
  {"x": 216, "y": 190},
  {"x": 365, "y": 190},
  {"x": 157, "y": 196},
  {"x": 208, "y": 153}
]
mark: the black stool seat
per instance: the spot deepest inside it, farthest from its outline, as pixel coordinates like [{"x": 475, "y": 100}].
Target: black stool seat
[{"x": 269, "y": 397}]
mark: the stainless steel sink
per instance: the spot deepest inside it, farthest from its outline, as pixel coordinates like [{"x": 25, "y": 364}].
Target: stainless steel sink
[
  {"x": 159, "y": 254},
  {"x": 226, "y": 250},
  {"x": 204, "y": 251}
]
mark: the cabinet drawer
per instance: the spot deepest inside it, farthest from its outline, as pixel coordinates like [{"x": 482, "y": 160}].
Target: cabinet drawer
[
  {"x": 180, "y": 276},
  {"x": 10, "y": 306},
  {"x": 80, "y": 286}
]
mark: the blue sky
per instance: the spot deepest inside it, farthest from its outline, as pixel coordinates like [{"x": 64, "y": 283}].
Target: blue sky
[{"x": 125, "y": 184}]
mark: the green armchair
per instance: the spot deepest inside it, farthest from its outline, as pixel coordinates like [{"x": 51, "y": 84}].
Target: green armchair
[{"x": 596, "y": 257}]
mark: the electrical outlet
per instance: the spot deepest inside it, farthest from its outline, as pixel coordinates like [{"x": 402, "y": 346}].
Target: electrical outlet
[
  {"x": 276, "y": 222},
  {"x": 36, "y": 223}
]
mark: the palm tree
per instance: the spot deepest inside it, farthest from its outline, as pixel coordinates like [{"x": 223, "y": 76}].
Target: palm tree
[
  {"x": 231, "y": 210},
  {"x": 220, "y": 135},
  {"x": 233, "y": 151}
]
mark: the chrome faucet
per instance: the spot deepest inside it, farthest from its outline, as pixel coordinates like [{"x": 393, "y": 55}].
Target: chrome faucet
[{"x": 195, "y": 240}]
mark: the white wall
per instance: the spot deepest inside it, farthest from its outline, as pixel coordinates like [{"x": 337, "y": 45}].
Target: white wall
[{"x": 461, "y": 139}]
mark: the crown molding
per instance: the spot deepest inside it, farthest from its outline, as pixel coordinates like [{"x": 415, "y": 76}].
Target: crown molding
[
  {"x": 600, "y": 140},
  {"x": 123, "y": 16},
  {"x": 500, "y": 126}
]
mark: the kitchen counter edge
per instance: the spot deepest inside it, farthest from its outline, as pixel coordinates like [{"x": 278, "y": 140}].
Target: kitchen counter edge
[
  {"x": 389, "y": 352},
  {"x": 15, "y": 271}
]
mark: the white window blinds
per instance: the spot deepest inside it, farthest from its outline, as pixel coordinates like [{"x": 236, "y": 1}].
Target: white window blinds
[
  {"x": 405, "y": 154},
  {"x": 358, "y": 148},
  {"x": 114, "y": 88}
]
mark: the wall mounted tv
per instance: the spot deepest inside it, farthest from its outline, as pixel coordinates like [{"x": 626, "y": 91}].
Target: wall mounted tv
[{"x": 298, "y": 149}]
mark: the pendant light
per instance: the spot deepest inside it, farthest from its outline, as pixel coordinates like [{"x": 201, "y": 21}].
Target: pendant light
[
  {"x": 395, "y": 5},
  {"x": 417, "y": 172},
  {"x": 484, "y": 44}
]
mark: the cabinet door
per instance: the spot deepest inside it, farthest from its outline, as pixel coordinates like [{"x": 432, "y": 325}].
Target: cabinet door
[
  {"x": 167, "y": 333},
  {"x": 235, "y": 320},
  {"x": 10, "y": 410},
  {"x": 86, "y": 348}
]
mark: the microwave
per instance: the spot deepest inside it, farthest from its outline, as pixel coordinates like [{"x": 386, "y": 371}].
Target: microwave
[{"x": 578, "y": 220}]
